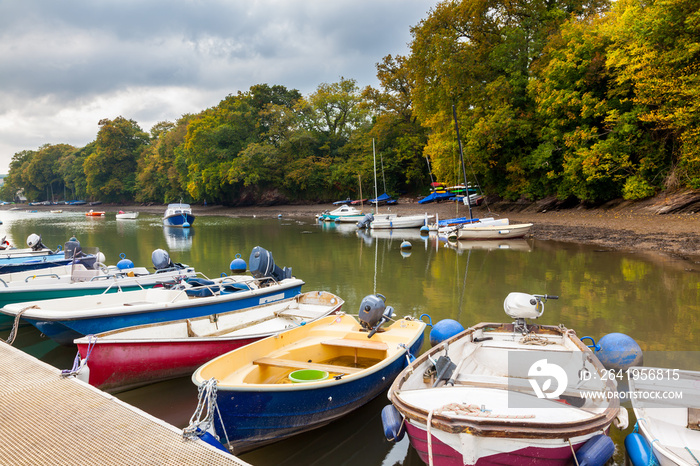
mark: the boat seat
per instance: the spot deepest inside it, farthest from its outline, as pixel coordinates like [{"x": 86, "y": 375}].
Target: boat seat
[
  {"x": 234, "y": 287},
  {"x": 202, "y": 292},
  {"x": 196, "y": 281},
  {"x": 357, "y": 344},
  {"x": 305, "y": 365}
]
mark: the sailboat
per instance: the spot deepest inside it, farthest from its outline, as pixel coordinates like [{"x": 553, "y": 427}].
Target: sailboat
[
  {"x": 389, "y": 220},
  {"x": 485, "y": 229}
]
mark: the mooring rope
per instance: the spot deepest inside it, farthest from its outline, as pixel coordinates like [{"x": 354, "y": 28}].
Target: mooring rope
[
  {"x": 15, "y": 325},
  {"x": 203, "y": 417}
]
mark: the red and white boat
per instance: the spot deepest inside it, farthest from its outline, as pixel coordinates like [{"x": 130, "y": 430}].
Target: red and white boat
[
  {"x": 484, "y": 396},
  {"x": 94, "y": 213},
  {"x": 133, "y": 356}
]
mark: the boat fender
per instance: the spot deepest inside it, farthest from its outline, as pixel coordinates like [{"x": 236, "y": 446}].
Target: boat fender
[
  {"x": 622, "y": 420},
  {"x": 619, "y": 352},
  {"x": 209, "y": 438},
  {"x": 446, "y": 328},
  {"x": 393, "y": 422},
  {"x": 596, "y": 451},
  {"x": 124, "y": 263},
  {"x": 238, "y": 265},
  {"x": 639, "y": 451}
]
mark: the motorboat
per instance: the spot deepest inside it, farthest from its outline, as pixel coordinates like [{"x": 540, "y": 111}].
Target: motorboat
[
  {"x": 178, "y": 215},
  {"x": 66, "y": 319},
  {"x": 125, "y": 358},
  {"x": 306, "y": 377},
  {"x": 94, "y": 213},
  {"x": 506, "y": 394},
  {"x": 129, "y": 215},
  {"x": 343, "y": 214}
]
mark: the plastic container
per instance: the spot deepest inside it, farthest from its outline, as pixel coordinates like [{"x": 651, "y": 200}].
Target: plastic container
[{"x": 308, "y": 375}]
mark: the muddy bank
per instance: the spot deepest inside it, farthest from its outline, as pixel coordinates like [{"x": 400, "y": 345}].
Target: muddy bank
[{"x": 667, "y": 223}]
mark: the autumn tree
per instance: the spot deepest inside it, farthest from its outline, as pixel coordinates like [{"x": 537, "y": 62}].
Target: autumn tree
[{"x": 111, "y": 170}]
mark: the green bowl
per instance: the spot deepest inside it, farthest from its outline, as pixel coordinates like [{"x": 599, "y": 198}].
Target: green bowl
[{"x": 308, "y": 375}]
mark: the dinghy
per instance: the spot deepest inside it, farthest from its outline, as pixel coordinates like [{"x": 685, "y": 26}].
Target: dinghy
[
  {"x": 125, "y": 358},
  {"x": 505, "y": 394},
  {"x": 308, "y": 376}
]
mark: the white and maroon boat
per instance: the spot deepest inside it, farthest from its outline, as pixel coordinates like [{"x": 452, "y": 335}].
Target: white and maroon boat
[
  {"x": 485, "y": 396},
  {"x": 125, "y": 358}
]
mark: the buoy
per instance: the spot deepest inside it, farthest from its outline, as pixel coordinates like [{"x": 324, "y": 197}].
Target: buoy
[
  {"x": 619, "y": 352},
  {"x": 406, "y": 245},
  {"x": 186, "y": 225},
  {"x": 124, "y": 263},
  {"x": 394, "y": 427},
  {"x": 424, "y": 230},
  {"x": 238, "y": 265},
  {"x": 639, "y": 451},
  {"x": 279, "y": 215},
  {"x": 596, "y": 451},
  {"x": 446, "y": 328}
]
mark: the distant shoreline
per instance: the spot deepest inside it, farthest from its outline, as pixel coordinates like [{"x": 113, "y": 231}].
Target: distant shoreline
[{"x": 629, "y": 226}]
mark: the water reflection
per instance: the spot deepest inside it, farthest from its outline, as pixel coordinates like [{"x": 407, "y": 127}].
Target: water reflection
[
  {"x": 654, "y": 299},
  {"x": 178, "y": 239}
]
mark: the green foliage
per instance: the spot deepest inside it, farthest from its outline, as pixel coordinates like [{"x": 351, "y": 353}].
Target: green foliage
[{"x": 573, "y": 98}]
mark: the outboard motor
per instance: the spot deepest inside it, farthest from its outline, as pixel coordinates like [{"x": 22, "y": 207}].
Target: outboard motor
[
  {"x": 366, "y": 220},
  {"x": 161, "y": 259},
  {"x": 72, "y": 248},
  {"x": 34, "y": 242},
  {"x": 263, "y": 265},
  {"x": 374, "y": 312}
]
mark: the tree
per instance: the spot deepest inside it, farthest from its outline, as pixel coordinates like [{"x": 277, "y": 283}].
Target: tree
[{"x": 111, "y": 170}]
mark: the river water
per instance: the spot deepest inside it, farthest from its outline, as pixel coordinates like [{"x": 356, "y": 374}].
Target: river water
[{"x": 655, "y": 299}]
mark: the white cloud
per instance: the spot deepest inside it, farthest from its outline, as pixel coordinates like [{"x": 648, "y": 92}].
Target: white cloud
[{"x": 66, "y": 65}]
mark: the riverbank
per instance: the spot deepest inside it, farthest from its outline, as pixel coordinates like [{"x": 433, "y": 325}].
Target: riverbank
[{"x": 667, "y": 224}]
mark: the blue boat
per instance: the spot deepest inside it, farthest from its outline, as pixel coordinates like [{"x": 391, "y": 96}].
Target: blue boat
[
  {"x": 383, "y": 199},
  {"x": 308, "y": 376},
  {"x": 66, "y": 319},
  {"x": 39, "y": 257},
  {"x": 178, "y": 215},
  {"x": 436, "y": 197}
]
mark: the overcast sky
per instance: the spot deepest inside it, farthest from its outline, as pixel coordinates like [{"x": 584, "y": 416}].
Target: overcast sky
[{"x": 66, "y": 64}]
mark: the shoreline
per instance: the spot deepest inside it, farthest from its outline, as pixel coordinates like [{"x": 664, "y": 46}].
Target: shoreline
[{"x": 626, "y": 226}]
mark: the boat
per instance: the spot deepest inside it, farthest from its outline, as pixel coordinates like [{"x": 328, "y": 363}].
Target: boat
[
  {"x": 393, "y": 221},
  {"x": 436, "y": 197},
  {"x": 77, "y": 202},
  {"x": 36, "y": 248},
  {"x": 57, "y": 211},
  {"x": 66, "y": 319},
  {"x": 487, "y": 395},
  {"x": 668, "y": 427},
  {"x": 129, "y": 215},
  {"x": 308, "y": 376},
  {"x": 480, "y": 231},
  {"x": 346, "y": 201},
  {"x": 78, "y": 280},
  {"x": 382, "y": 200},
  {"x": 359, "y": 201},
  {"x": 178, "y": 215},
  {"x": 94, "y": 213},
  {"x": 343, "y": 214},
  {"x": 39, "y": 257},
  {"x": 125, "y": 358}
]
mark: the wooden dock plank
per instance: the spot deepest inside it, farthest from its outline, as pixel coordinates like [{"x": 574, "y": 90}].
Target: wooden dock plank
[{"x": 48, "y": 419}]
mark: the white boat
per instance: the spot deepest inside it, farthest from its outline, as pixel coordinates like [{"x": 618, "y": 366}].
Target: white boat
[
  {"x": 127, "y": 215},
  {"x": 178, "y": 215},
  {"x": 133, "y": 356},
  {"x": 78, "y": 280},
  {"x": 490, "y": 231},
  {"x": 666, "y": 403},
  {"x": 487, "y": 395},
  {"x": 393, "y": 221},
  {"x": 343, "y": 214},
  {"x": 65, "y": 319}
]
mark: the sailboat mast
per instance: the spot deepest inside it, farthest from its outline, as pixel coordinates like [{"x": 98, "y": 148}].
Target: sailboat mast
[
  {"x": 461, "y": 157},
  {"x": 376, "y": 202}
]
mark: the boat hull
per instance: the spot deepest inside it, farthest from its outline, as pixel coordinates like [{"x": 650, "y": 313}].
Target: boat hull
[
  {"x": 494, "y": 232},
  {"x": 178, "y": 220},
  {"x": 256, "y": 417},
  {"x": 66, "y": 327},
  {"x": 134, "y": 356},
  {"x": 491, "y": 451}
]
